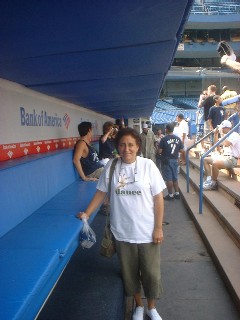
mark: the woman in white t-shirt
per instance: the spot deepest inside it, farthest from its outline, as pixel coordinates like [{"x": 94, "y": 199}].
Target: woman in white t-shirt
[{"x": 136, "y": 219}]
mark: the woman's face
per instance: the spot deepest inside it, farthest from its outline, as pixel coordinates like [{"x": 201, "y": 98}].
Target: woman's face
[{"x": 128, "y": 149}]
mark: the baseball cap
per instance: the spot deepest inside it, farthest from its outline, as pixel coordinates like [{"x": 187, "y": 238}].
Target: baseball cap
[
  {"x": 145, "y": 126},
  {"x": 225, "y": 124}
]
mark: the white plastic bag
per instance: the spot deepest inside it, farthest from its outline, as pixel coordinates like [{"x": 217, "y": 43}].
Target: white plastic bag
[{"x": 87, "y": 235}]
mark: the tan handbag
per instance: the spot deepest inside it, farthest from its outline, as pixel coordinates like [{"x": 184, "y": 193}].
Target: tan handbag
[{"x": 108, "y": 248}]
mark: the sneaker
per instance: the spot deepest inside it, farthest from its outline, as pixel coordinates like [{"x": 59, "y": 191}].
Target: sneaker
[
  {"x": 168, "y": 197},
  {"x": 177, "y": 196},
  {"x": 153, "y": 314},
  {"x": 210, "y": 186},
  {"x": 206, "y": 183},
  {"x": 138, "y": 313}
]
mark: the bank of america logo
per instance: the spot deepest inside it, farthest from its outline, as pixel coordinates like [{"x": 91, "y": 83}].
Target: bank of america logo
[{"x": 66, "y": 120}]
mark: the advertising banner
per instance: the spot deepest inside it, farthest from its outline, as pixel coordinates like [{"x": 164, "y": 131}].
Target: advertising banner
[{"x": 31, "y": 122}]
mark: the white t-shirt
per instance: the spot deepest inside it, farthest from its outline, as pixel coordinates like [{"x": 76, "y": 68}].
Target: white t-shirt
[
  {"x": 233, "y": 149},
  {"x": 183, "y": 128},
  {"x": 132, "y": 205},
  {"x": 177, "y": 132}
]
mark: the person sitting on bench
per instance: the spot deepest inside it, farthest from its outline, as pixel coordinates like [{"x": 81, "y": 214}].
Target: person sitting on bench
[{"x": 85, "y": 156}]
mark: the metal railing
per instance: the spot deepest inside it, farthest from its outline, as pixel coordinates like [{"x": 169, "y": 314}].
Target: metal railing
[{"x": 202, "y": 162}]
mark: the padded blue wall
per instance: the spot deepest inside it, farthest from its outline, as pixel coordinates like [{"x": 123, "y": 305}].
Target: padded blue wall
[{"x": 34, "y": 182}]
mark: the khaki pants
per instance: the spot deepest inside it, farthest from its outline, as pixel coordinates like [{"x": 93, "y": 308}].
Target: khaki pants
[{"x": 140, "y": 265}]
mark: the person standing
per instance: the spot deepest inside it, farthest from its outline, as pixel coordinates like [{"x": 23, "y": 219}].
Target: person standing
[
  {"x": 200, "y": 126},
  {"x": 200, "y": 117},
  {"x": 85, "y": 157},
  {"x": 216, "y": 113},
  {"x": 106, "y": 143},
  {"x": 137, "y": 208},
  {"x": 183, "y": 130},
  {"x": 159, "y": 135},
  {"x": 206, "y": 105},
  {"x": 148, "y": 146},
  {"x": 169, "y": 148},
  {"x": 203, "y": 96}
]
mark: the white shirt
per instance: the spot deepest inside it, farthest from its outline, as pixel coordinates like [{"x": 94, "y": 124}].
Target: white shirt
[
  {"x": 176, "y": 132},
  {"x": 183, "y": 128},
  {"x": 132, "y": 205},
  {"x": 234, "y": 148}
]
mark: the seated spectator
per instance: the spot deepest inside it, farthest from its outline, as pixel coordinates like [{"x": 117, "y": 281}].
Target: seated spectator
[
  {"x": 169, "y": 148},
  {"x": 85, "y": 156},
  {"x": 106, "y": 143},
  {"x": 227, "y": 160}
]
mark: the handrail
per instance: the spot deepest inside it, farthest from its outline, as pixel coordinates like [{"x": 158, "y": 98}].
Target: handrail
[
  {"x": 187, "y": 156},
  {"x": 201, "y": 162}
]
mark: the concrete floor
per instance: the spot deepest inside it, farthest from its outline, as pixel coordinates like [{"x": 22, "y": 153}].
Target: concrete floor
[{"x": 192, "y": 287}]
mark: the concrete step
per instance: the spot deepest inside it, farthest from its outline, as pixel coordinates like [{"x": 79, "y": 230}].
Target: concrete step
[
  {"x": 222, "y": 206},
  {"x": 221, "y": 239},
  {"x": 229, "y": 186}
]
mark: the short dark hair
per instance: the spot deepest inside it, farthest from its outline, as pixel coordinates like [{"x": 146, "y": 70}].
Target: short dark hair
[
  {"x": 129, "y": 132},
  {"x": 170, "y": 127},
  {"x": 180, "y": 116},
  {"x": 216, "y": 97},
  {"x": 84, "y": 127}
]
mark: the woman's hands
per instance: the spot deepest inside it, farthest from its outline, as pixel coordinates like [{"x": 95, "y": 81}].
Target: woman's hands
[
  {"x": 158, "y": 235},
  {"x": 90, "y": 179},
  {"x": 82, "y": 215}
]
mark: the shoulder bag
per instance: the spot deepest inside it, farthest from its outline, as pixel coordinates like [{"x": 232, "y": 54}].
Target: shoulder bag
[{"x": 108, "y": 248}]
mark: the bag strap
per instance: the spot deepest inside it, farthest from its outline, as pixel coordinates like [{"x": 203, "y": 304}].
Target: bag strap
[{"x": 112, "y": 168}]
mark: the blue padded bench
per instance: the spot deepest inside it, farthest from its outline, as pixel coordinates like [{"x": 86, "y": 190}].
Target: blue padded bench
[
  {"x": 90, "y": 287},
  {"x": 39, "y": 233}
]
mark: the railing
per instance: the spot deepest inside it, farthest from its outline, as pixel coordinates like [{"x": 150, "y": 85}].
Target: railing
[
  {"x": 187, "y": 156},
  {"x": 202, "y": 162}
]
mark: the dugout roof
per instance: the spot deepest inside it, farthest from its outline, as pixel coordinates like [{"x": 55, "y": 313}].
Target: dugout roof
[{"x": 108, "y": 56}]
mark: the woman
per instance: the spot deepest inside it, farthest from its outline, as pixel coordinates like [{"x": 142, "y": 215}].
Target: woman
[
  {"x": 85, "y": 156},
  {"x": 136, "y": 219}
]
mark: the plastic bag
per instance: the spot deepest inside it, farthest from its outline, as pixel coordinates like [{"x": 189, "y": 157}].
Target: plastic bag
[{"x": 87, "y": 235}]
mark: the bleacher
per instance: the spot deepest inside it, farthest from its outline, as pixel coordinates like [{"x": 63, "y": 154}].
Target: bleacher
[
  {"x": 186, "y": 102},
  {"x": 216, "y": 7},
  {"x": 166, "y": 112}
]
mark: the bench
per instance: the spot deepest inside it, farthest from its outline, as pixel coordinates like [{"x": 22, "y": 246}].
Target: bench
[{"x": 40, "y": 196}]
